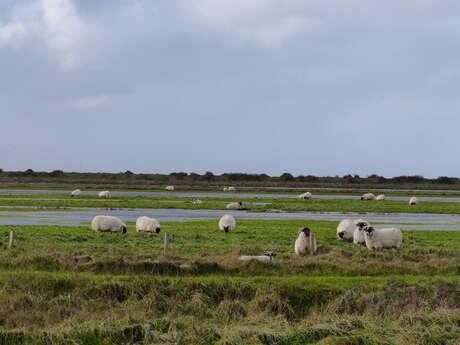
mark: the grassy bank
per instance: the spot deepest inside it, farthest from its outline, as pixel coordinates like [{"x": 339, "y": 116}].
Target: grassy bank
[{"x": 68, "y": 285}]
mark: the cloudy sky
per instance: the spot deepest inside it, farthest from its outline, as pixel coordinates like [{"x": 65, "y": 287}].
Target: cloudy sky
[{"x": 320, "y": 87}]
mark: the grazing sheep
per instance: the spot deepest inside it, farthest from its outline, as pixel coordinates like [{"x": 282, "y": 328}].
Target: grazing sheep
[
  {"x": 306, "y": 195},
  {"x": 227, "y": 223},
  {"x": 108, "y": 224},
  {"x": 358, "y": 235},
  {"x": 368, "y": 196},
  {"x": 381, "y": 197},
  {"x": 382, "y": 238},
  {"x": 305, "y": 242},
  {"x": 75, "y": 192},
  {"x": 413, "y": 201},
  {"x": 169, "y": 187},
  {"x": 147, "y": 224},
  {"x": 197, "y": 201},
  {"x": 234, "y": 205},
  {"x": 104, "y": 194},
  {"x": 267, "y": 257},
  {"x": 346, "y": 229}
]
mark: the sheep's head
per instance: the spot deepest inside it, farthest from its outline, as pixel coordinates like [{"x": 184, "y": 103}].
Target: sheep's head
[
  {"x": 123, "y": 229},
  {"x": 240, "y": 203},
  {"x": 157, "y": 229},
  {"x": 270, "y": 254},
  {"x": 226, "y": 228},
  {"x": 361, "y": 225},
  {"x": 304, "y": 231},
  {"x": 369, "y": 230}
]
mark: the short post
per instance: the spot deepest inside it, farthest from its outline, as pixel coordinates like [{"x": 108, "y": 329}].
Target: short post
[
  {"x": 166, "y": 243},
  {"x": 11, "y": 240}
]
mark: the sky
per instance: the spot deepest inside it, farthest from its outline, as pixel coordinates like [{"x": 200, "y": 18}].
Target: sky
[{"x": 320, "y": 87}]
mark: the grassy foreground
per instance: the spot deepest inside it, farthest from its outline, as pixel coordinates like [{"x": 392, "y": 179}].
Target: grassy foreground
[
  {"x": 67, "y": 285},
  {"x": 60, "y": 201}
]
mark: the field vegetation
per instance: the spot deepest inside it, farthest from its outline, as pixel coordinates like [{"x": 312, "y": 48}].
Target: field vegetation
[
  {"x": 61, "y": 201},
  {"x": 68, "y": 285}
]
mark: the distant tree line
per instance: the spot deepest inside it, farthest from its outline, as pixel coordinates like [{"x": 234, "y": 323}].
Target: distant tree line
[{"x": 285, "y": 179}]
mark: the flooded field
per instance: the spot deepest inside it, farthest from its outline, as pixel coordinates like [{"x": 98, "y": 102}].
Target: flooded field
[
  {"x": 408, "y": 221},
  {"x": 218, "y": 195}
]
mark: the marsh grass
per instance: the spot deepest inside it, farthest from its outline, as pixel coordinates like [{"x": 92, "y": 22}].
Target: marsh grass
[{"x": 68, "y": 285}]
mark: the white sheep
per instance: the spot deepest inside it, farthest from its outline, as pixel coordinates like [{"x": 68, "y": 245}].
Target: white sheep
[
  {"x": 169, "y": 187},
  {"x": 225, "y": 189},
  {"x": 382, "y": 238},
  {"x": 413, "y": 201},
  {"x": 75, "y": 192},
  {"x": 227, "y": 223},
  {"x": 104, "y": 194},
  {"x": 380, "y": 197},
  {"x": 147, "y": 224},
  {"x": 358, "y": 235},
  {"x": 346, "y": 229},
  {"x": 234, "y": 205},
  {"x": 108, "y": 224},
  {"x": 305, "y": 242},
  {"x": 197, "y": 201},
  {"x": 368, "y": 196},
  {"x": 231, "y": 189},
  {"x": 267, "y": 257},
  {"x": 306, "y": 195}
]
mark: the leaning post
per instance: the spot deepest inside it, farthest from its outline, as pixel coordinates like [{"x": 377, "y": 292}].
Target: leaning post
[{"x": 11, "y": 240}]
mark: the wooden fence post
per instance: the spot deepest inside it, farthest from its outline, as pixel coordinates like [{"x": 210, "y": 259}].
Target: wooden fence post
[
  {"x": 166, "y": 243},
  {"x": 11, "y": 240}
]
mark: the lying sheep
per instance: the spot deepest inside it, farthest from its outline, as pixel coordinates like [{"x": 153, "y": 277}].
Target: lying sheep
[
  {"x": 382, "y": 238},
  {"x": 306, "y": 195},
  {"x": 108, "y": 224},
  {"x": 227, "y": 223},
  {"x": 368, "y": 196},
  {"x": 231, "y": 189},
  {"x": 346, "y": 229},
  {"x": 104, "y": 194},
  {"x": 413, "y": 201},
  {"x": 268, "y": 256},
  {"x": 147, "y": 224},
  {"x": 75, "y": 192},
  {"x": 169, "y": 187},
  {"x": 305, "y": 242},
  {"x": 380, "y": 197},
  {"x": 358, "y": 235},
  {"x": 234, "y": 205}
]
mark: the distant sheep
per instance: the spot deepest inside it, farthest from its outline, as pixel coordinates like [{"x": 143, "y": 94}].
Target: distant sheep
[
  {"x": 306, "y": 195},
  {"x": 413, "y": 201},
  {"x": 346, "y": 229},
  {"x": 267, "y": 257},
  {"x": 227, "y": 223},
  {"x": 75, "y": 192},
  {"x": 358, "y": 235},
  {"x": 231, "y": 189},
  {"x": 147, "y": 224},
  {"x": 305, "y": 242},
  {"x": 382, "y": 238},
  {"x": 104, "y": 194},
  {"x": 197, "y": 201},
  {"x": 225, "y": 189},
  {"x": 368, "y": 196},
  {"x": 108, "y": 224},
  {"x": 169, "y": 187},
  {"x": 234, "y": 205},
  {"x": 380, "y": 197}
]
